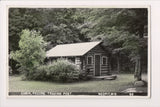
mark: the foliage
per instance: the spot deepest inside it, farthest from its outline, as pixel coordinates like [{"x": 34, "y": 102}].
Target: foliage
[
  {"x": 60, "y": 71},
  {"x": 62, "y": 25},
  {"x": 132, "y": 20},
  {"x": 57, "y": 25},
  {"x": 39, "y": 73},
  {"x": 22, "y": 18},
  {"x": 114, "y": 24},
  {"x": 63, "y": 70},
  {"x": 31, "y": 51}
]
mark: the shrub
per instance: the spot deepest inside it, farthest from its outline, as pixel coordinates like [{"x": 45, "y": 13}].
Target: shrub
[
  {"x": 60, "y": 71},
  {"x": 40, "y": 73},
  {"x": 63, "y": 70}
]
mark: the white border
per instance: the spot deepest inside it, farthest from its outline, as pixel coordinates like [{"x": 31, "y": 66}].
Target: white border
[{"x": 124, "y": 102}]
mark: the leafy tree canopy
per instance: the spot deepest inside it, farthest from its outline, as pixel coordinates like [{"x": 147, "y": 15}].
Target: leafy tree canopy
[{"x": 31, "y": 51}]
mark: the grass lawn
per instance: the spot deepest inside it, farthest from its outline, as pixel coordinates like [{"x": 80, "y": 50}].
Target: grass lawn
[{"x": 122, "y": 82}]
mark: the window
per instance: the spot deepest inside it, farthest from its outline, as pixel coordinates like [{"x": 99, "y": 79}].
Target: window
[
  {"x": 77, "y": 61},
  {"x": 104, "y": 60},
  {"x": 89, "y": 60}
]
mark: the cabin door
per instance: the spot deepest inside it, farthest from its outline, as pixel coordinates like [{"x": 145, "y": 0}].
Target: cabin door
[{"x": 97, "y": 65}]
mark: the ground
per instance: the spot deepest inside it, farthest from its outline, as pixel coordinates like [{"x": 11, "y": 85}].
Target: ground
[{"x": 123, "y": 82}]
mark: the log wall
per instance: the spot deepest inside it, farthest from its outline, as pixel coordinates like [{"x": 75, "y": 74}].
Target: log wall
[{"x": 103, "y": 68}]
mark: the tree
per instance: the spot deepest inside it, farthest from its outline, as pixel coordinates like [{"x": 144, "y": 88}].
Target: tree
[
  {"x": 22, "y": 18},
  {"x": 31, "y": 51},
  {"x": 133, "y": 21},
  {"x": 19, "y": 19},
  {"x": 62, "y": 26}
]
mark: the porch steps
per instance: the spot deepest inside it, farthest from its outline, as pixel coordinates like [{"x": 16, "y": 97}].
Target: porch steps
[{"x": 108, "y": 77}]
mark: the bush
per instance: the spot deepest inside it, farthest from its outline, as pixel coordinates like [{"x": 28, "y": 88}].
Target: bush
[
  {"x": 63, "y": 70},
  {"x": 60, "y": 71},
  {"x": 40, "y": 73}
]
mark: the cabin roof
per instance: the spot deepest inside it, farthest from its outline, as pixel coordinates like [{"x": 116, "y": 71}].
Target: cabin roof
[{"x": 74, "y": 49}]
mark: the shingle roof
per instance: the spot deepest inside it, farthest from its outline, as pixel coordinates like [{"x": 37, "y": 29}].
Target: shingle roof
[{"x": 75, "y": 49}]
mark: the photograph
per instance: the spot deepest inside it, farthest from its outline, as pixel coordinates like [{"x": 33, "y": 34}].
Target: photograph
[{"x": 78, "y": 51}]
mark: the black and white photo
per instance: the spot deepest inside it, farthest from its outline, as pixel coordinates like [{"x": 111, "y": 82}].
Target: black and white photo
[{"x": 78, "y": 52}]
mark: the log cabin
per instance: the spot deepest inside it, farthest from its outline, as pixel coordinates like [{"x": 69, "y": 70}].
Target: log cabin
[{"x": 90, "y": 57}]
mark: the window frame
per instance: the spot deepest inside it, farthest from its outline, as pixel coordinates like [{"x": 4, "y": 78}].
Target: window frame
[
  {"x": 91, "y": 60},
  {"x": 106, "y": 60}
]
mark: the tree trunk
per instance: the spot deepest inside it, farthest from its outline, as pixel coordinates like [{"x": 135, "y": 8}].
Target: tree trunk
[
  {"x": 138, "y": 65},
  {"x": 118, "y": 64},
  {"x": 138, "y": 70}
]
